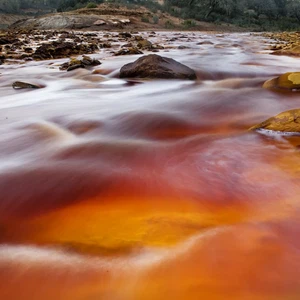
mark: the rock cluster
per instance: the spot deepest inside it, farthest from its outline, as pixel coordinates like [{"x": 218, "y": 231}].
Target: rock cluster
[
  {"x": 57, "y": 49},
  {"x": 287, "y": 43},
  {"x": 85, "y": 62},
  {"x": 29, "y": 44}
]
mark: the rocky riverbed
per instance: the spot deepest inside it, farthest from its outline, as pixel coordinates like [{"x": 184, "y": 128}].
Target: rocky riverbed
[{"x": 120, "y": 180}]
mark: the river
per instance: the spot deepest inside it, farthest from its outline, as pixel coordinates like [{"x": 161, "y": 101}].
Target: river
[{"x": 150, "y": 189}]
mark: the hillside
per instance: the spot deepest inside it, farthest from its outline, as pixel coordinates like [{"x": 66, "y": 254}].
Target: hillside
[
  {"x": 253, "y": 15},
  {"x": 8, "y": 19},
  {"x": 111, "y": 16}
]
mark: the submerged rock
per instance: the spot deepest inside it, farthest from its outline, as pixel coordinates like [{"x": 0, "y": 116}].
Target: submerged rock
[
  {"x": 287, "y": 121},
  {"x": 24, "y": 85},
  {"x": 155, "y": 66},
  {"x": 285, "y": 82}
]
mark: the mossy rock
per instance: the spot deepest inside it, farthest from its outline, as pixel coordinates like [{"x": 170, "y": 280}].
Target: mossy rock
[
  {"x": 285, "y": 82},
  {"x": 287, "y": 121}
]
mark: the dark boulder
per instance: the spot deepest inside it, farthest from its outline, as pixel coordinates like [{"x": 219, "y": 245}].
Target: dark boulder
[
  {"x": 155, "y": 66},
  {"x": 24, "y": 85},
  {"x": 125, "y": 35}
]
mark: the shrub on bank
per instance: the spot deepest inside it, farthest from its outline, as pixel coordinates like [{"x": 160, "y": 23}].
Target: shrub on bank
[
  {"x": 186, "y": 24},
  {"x": 91, "y": 5}
]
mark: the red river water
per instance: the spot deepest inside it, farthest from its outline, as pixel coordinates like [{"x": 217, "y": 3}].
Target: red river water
[{"x": 150, "y": 189}]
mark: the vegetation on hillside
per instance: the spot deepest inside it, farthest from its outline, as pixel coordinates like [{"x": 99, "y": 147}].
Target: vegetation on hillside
[
  {"x": 254, "y": 14},
  {"x": 260, "y": 14}
]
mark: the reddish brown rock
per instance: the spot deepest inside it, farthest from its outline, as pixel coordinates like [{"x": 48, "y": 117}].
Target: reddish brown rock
[{"x": 155, "y": 66}]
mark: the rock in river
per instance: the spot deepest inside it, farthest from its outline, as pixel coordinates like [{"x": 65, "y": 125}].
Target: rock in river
[
  {"x": 128, "y": 51},
  {"x": 85, "y": 62},
  {"x": 285, "y": 82},
  {"x": 287, "y": 121},
  {"x": 25, "y": 85},
  {"x": 155, "y": 66}
]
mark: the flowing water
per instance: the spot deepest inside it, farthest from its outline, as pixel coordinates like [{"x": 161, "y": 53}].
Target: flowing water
[{"x": 150, "y": 189}]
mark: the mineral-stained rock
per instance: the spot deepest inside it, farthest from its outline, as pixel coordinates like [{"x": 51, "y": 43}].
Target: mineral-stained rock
[
  {"x": 285, "y": 82},
  {"x": 155, "y": 66},
  {"x": 288, "y": 121},
  {"x": 58, "y": 49},
  {"x": 125, "y": 35},
  {"x": 105, "y": 45},
  {"x": 73, "y": 64},
  {"x": 74, "y": 67},
  {"x": 144, "y": 44},
  {"x": 25, "y": 85},
  {"x": 88, "y": 61},
  {"x": 128, "y": 51},
  {"x": 290, "y": 51}
]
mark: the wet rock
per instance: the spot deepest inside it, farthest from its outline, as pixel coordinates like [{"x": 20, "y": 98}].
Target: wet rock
[
  {"x": 99, "y": 22},
  {"x": 28, "y": 50},
  {"x": 58, "y": 49},
  {"x": 138, "y": 38},
  {"x": 155, "y": 66},
  {"x": 285, "y": 82},
  {"x": 73, "y": 64},
  {"x": 288, "y": 121},
  {"x": 74, "y": 67},
  {"x": 128, "y": 45},
  {"x": 4, "y": 41},
  {"x": 88, "y": 61},
  {"x": 287, "y": 43},
  {"x": 128, "y": 51},
  {"x": 205, "y": 43},
  {"x": 69, "y": 64},
  {"x": 158, "y": 47},
  {"x": 144, "y": 45},
  {"x": 181, "y": 47},
  {"x": 24, "y": 85},
  {"x": 105, "y": 45},
  {"x": 289, "y": 51},
  {"x": 125, "y": 35},
  {"x": 8, "y": 39}
]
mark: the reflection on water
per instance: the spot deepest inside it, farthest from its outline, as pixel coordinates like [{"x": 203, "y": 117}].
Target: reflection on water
[{"x": 150, "y": 189}]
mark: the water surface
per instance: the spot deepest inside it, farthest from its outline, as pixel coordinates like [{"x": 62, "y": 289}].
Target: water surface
[{"x": 150, "y": 189}]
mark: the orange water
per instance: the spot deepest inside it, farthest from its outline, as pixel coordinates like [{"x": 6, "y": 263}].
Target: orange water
[{"x": 150, "y": 190}]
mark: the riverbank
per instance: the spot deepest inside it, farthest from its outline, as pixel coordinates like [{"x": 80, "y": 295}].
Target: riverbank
[{"x": 116, "y": 17}]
